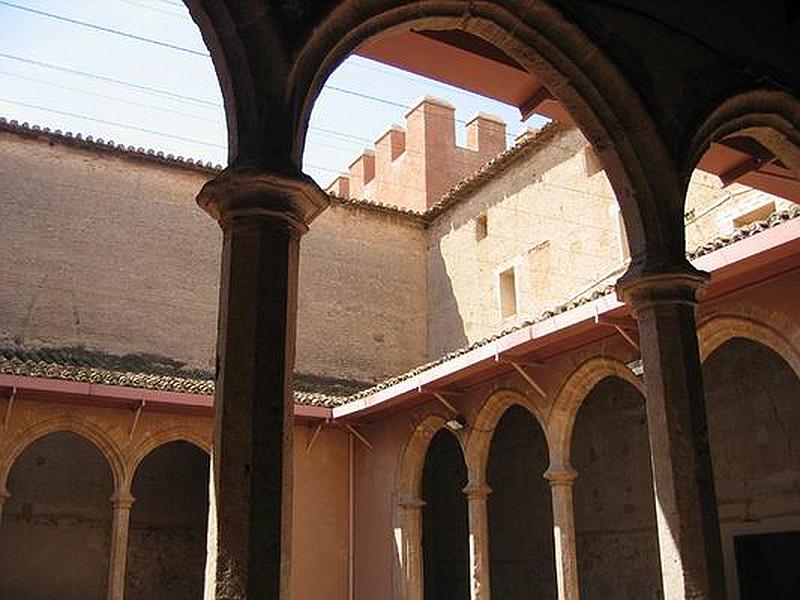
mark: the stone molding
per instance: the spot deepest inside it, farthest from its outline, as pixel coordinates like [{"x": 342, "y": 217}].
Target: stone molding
[
  {"x": 681, "y": 287},
  {"x": 239, "y": 194}
]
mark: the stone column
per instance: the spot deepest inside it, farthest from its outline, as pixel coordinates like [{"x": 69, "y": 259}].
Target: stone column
[
  {"x": 480, "y": 583},
  {"x": 408, "y": 541},
  {"x": 120, "y": 521},
  {"x": 262, "y": 216},
  {"x": 686, "y": 507},
  {"x": 561, "y": 483}
]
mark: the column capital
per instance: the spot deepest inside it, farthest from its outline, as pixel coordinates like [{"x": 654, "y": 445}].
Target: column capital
[
  {"x": 122, "y": 500},
  {"x": 683, "y": 286},
  {"x": 475, "y": 491},
  {"x": 561, "y": 475},
  {"x": 4, "y": 495},
  {"x": 236, "y": 193}
]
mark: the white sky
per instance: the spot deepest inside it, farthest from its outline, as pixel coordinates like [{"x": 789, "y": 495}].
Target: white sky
[{"x": 341, "y": 125}]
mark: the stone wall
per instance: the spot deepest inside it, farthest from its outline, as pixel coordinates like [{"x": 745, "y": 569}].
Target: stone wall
[{"x": 112, "y": 253}]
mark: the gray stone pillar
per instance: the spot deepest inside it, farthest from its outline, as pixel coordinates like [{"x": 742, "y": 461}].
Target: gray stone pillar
[
  {"x": 561, "y": 484},
  {"x": 262, "y": 216},
  {"x": 120, "y": 522},
  {"x": 480, "y": 581},
  {"x": 686, "y": 507}
]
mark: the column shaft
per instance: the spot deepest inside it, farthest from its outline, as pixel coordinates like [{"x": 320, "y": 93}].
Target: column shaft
[
  {"x": 480, "y": 583},
  {"x": 686, "y": 508},
  {"x": 118, "y": 556},
  {"x": 254, "y": 409},
  {"x": 409, "y": 549},
  {"x": 561, "y": 484}
]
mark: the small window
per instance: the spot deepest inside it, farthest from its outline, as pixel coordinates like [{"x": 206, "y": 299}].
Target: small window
[
  {"x": 508, "y": 293},
  {"x": 758, "y": 214},
  {"x": 481, "y": 227}
]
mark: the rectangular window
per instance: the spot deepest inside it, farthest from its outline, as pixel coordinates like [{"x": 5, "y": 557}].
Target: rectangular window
[
  {"x": 481, "y": 227},
  {"x": 508, "y": 293},
  {"x": 757, "y": 214}
]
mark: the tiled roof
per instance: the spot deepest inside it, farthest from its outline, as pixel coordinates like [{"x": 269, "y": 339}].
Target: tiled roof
[
  {"x": 602, "y": 289},
  {"x": 148, "y": 372},
  {"x": 93, "y": 143},
  {"x": 160, "y": 373}
]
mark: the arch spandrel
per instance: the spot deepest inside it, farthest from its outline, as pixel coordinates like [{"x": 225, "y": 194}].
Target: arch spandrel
[
  {"x": 574, "y": 69},
  {"x": 481, "y": 431},
  {"x": 84, "y": 428},
  {"x": 570, "y": 398}
]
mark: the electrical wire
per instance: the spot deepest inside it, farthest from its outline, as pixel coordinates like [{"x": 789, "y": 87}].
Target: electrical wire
[
  {"x": 105, "y": 79},
  {"x": 114, "y": 123},
  {"x": 111, "y": 30}
]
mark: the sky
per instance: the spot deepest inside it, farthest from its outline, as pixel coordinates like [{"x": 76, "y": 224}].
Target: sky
[{"x": 165, "y": 95}]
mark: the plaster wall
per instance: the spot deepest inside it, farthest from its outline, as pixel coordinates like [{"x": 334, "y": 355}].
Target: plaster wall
[
  {"x": 75, "y": 508},
  {"x": 615, "y": 520},
  {"x": 54, "y": 540}
]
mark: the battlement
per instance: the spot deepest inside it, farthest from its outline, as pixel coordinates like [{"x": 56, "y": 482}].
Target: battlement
[{"x": 413, "y": 166}]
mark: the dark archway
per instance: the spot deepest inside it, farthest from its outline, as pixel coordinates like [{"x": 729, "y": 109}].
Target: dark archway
[
  {"x": 167, "y": 540},
  {"x": 521, "y": 553},
  {"x": 445, "y": 527},
  {"x": 56, "y": 530},
  {"x": 615, "y": 520},
  {"x": 753, "y": 405}
]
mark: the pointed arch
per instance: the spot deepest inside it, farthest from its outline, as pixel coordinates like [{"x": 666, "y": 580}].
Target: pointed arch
[
  {"x": 570, "y": 398},
  {"x": 482, "y": 430},
  {"x": 85, "y": 428},
  {"x": 717, "y": 330},
  {"x": 407, "y": 571},
  {"x": 161, "y": 438}
]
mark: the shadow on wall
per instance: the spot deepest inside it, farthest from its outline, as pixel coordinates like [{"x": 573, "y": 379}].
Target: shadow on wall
[
  {"x": 455, "y": 267},
  {"x": 446, "y": 330}
]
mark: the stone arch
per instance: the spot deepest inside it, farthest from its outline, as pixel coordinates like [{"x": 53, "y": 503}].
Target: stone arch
[
  {"x": 153, "y": 442},
  {"x": 570, "y": 398},
  {"x": 482, "y": 430},
  {"x": 769, "y": 116},
  {"x": 407, "y": 572},
  {"x": 412, "y": 459},
  {"x": 106, "y": 445},
  {"x": 717, "y": 330},
  {"x": 574, "y": 69}
]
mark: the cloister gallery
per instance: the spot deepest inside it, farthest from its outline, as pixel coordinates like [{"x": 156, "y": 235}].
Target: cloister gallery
[{"x": 567, "y": 368}]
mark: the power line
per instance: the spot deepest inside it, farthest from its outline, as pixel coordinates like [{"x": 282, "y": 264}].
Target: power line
[
  {"x": 135, "y": 86},
  {"x": 112, "y": 98},
  {"x": 154, "y": 9},
  {"x": 198, "y": 53},
  {"x": 113, "y": 123},
  {"x": 110, "y": 30}
]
